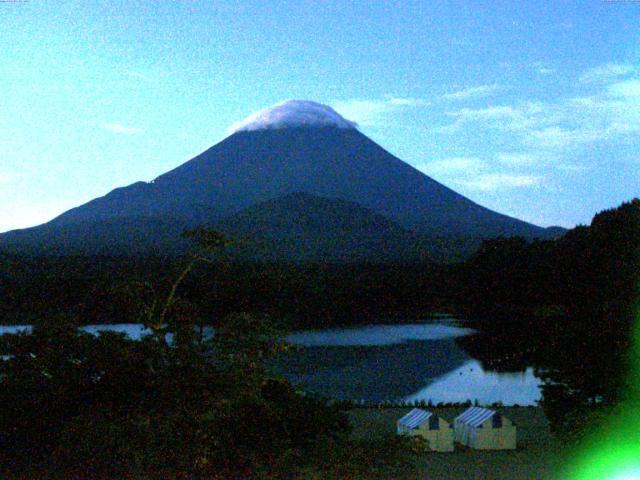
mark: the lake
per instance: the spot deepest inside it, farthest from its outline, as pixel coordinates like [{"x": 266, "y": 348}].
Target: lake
[
  {"x": 373, "y": 363},
  {"x": 401, "y": 362}
]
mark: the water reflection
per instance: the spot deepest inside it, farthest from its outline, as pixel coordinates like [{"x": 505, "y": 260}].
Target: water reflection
[
  {"x": 438, "y": 361},
  {"x": 371, "y": 372},
  {"x": 14, "y": 328},
  {"x": 134, "y": 331},
  {"x": 372, "y": 335},
  {"x": 441, "y": 362},
  {"x": 472, "y": 382}
]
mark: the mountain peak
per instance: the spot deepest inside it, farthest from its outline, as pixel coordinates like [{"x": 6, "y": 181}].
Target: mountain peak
[{"x": 292, "y": 114}]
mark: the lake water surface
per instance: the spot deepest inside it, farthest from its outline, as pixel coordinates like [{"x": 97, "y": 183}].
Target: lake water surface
[
  {"x": 401, "y": 362},
  {"x": 374, "y": 363}
]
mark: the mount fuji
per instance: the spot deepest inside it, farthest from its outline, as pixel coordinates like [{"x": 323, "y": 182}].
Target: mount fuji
[{"x": 296, "y": 173}]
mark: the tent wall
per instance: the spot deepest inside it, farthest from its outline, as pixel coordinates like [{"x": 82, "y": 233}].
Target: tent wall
[
  {"x": 438, "y": 440},
  {"x": 485, "y": 436}
]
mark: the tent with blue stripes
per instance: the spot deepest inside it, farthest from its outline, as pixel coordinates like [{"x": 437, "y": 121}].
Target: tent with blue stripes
[
  {"x": 475, "y": 416},
  {"x": 437, "y": 432},
  {"x": 414, "y": 418},
  {"x": 485, "y": 429}
]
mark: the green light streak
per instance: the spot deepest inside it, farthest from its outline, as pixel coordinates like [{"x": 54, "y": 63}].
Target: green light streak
[{"x": 613, "y": 452}]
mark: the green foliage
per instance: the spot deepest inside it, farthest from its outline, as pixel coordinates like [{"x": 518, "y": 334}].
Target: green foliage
[
  {"x": 208, "y": 240},
  {"x": 567, "y": 305},
  {"x": 600, "y": 268},
  {"x": 113, "y": 290},
  {"x": 56, "y": 374},
  {"x": 105, "y": 405},
  {"x": 168, "y": 406}
]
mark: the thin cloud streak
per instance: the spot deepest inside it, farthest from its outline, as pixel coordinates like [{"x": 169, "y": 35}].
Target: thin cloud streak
[
  {"x": 558, "y": 137},
  {"x": 606, "y": 72},
  {"x": 377, "y": 113},
  {"x": 499, "y": 181},
  {"x": 452, "y": 165},
  {"x": 569, "y": 122},
  {"x": 474, "y": 174},
  {"x": 512, "y": 118},
  {"x": 119, "y": 128},
  {"x": 517, "y": 159},
  {"x": 471, "y": 92},
  {"x": 627, "y": 88}
]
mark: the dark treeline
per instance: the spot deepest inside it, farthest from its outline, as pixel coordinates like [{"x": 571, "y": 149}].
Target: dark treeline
[
  {"x": 557, "y": 288},
  {"x": 79, "y": 406},
  {"x": 115, "y": 290},
  {"x": 569, "y": 306}
]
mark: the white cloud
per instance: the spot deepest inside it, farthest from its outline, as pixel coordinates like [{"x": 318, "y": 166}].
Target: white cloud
[
  {"x": 365, "y": 112},
  {"x": 504, "y": 117},
  {"x": 558, "y": 137},
  {"x": 408, "y": 102},
  {"x": 499, "y": 111},
  {"x": 344, "y": 114},
  {"x": 471, "y": 172},
  {"x": 471, "y": 92},
  {"x": 542, "y": 68},
  {"x": 573, "y": 168},
  {"x": 499, "y": 181},
  {"x": 566, "y": 123},
  {"x": 518, "y": 158},
  {"x": 627, "y": 88},
  {"x": 616, "y": 112},
  {"x": 292, "y": 113},
  {"x": 376, "y": 113},
  {"x": 116, "y": 127},
  {"x": 606, "y": 72},
  {"x": 533, "y": 137},
  {"x": 452, "y": 165}
]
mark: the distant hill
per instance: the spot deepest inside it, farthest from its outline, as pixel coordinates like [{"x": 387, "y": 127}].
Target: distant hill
[
  {"x": 269, "y": 162},
  {"x": 303, "y": 227}
]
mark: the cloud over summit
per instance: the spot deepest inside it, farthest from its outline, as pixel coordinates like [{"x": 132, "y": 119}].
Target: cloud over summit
[{"x": 291, "y": 114}]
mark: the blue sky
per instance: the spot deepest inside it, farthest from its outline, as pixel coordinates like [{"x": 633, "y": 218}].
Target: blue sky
[{"x": 529, "y": 108}]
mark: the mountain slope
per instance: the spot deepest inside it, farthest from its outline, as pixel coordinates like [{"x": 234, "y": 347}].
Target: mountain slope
[
  {"x": 301, "y": 227},
  {"x": 255, "y": 165},
  {"x": 250, "y": 167}
]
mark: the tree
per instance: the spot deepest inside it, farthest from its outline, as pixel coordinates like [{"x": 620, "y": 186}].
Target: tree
[
  {"x": 168, "y": 406},
  {"x": 590, "y": 363}
]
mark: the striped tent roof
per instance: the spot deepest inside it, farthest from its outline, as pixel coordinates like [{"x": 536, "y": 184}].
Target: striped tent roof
[
  {"x": 414, "y": 418},
  {"x": 474, "y": 416}
]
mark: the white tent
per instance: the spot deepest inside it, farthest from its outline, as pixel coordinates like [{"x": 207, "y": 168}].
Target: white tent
[
  {"x": 434, "y": 429},
  {"x": 485, "y": 429}
]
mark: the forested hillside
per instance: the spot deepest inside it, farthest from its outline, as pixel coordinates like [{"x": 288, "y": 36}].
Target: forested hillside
[{"x": 569, "y": 306}]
